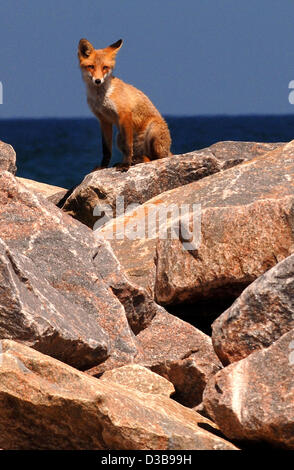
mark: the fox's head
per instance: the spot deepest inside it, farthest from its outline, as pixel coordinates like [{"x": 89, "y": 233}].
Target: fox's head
[{"x": 97, "y": 64}]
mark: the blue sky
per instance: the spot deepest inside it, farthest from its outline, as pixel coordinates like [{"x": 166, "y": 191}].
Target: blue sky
[{"x": 191, "y": 57}]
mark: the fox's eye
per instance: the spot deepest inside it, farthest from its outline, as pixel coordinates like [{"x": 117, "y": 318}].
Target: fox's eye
[
  {"x": 105, "y": 68},
  {"x": 90, "y": 67}
]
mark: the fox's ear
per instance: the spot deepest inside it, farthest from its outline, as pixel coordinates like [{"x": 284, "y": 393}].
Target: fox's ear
[
  {"x": 115, "y": 47},
  {"x": 85, "y": 48}
]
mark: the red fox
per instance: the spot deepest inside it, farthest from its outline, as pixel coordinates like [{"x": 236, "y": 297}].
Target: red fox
[{"x": 143, "y": 133}]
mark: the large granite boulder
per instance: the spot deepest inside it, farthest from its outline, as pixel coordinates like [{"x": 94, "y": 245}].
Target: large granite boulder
[
  {"x": 178, "y": 352},
  {"x": 33, "y": 312},
  {"x": 246, "y": 216},
  {"x": 62, "y": 251},
  {"x": 263, "y": 312},
  {"x": 253, "y": 399},
  {"x": 48, "y": 405},
  {"x": 139, "y": 378},
  {"x": 231, "y": 153},
  {"x": 144, "y": 181},
  {"x": 7, "y": 158},
  {"x": 50, "y": 192},
  {"x": 82, "y": 278}
]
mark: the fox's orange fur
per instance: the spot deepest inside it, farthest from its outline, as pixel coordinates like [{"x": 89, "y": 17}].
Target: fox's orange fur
[{"x": 143, "y": 133}]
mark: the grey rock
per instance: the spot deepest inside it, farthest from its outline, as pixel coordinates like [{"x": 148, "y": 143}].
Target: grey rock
[{"x": 261, "y": 315}]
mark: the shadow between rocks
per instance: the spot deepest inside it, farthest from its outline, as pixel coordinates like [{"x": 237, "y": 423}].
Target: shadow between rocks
[{"x": 201, "y": 314}]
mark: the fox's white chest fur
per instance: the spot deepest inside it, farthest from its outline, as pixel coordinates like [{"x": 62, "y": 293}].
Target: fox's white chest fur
[{"x": 100, "y": 103}]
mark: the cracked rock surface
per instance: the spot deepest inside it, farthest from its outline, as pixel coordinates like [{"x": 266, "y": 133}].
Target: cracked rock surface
[
  {"x": 145, "y": 181},
  {"x": 62, "y": 408},
  {"x": 245, "y": 227}
]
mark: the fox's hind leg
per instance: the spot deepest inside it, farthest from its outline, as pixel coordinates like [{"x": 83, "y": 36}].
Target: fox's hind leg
[
  {"x": 124, "y": 142},
  {"x": 158, "y": 140}
]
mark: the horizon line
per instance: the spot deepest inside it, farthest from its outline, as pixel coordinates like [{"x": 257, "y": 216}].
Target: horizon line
[{"x": 178, "y": 116}]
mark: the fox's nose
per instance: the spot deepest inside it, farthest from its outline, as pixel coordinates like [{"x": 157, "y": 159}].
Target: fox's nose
[{"x": 98, "y": 81}]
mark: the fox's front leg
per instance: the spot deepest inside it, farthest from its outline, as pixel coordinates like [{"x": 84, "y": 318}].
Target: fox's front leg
[
  {"x": 125, "y": 142},
  {"x": 106, "y": 131}
]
